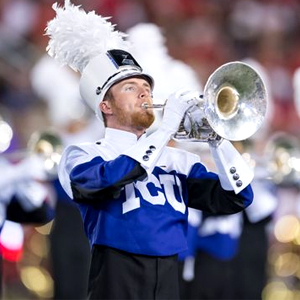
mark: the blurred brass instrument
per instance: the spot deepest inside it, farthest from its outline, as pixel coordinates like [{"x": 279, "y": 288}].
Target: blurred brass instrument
[
  {"x": 233, "y": 106},
  {"x": 48, "y": 145},
  {"x": 283, "y": 159}
]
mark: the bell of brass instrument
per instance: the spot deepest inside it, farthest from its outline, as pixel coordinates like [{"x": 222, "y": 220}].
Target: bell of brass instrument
[
  {"x": 48, "y": 145},
  {"x": 233, "y": 106},
  {"x": 283, "y": 159},
  {"x": 236, "y": 101}
]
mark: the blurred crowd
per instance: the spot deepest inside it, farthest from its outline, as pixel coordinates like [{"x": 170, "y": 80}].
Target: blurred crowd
[{"x": 202, "y": 34}]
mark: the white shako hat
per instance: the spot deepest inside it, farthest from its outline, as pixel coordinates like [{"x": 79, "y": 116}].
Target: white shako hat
[{"x": 88, "y": 43}]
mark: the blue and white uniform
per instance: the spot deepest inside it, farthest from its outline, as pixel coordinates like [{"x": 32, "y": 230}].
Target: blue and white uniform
[{"x": 133, "y": 194}]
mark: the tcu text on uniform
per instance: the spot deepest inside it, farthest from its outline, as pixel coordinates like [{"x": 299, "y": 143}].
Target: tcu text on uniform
[{"x": 164, "y": 186}]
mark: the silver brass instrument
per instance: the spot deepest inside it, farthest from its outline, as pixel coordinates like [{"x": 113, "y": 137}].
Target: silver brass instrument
[{"x": 233, "y": 106}]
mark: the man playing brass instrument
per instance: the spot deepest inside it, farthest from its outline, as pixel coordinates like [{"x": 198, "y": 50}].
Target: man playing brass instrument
[{"x": 132, "y": 189}]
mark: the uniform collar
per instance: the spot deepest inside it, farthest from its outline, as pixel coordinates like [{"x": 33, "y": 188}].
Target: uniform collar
[{"x": 121, "y": 139}]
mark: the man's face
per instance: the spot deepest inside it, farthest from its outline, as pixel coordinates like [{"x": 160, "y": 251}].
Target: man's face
[{"x": 128, "y": 97}]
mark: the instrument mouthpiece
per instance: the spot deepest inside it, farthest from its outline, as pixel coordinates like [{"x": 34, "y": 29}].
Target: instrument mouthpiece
[{"x": 145, "y": 105}]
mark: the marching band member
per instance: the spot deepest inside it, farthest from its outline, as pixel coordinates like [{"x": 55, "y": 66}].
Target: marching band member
[{"x": 133, "y": 191}]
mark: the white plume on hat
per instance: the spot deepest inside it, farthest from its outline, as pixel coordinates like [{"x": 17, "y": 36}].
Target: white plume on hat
[
  {"x": 88, "y": 43},
  {"x": 76, "y": 37}
]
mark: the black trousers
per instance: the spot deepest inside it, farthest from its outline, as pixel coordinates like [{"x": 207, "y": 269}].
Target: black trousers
[
  {"x": 213, "y": 279},
  {"x": 119, "y": 275},
  {"x": 70, "y": 252}
]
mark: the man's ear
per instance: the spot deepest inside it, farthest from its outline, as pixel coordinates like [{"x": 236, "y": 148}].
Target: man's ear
[{"x": 105, "y": 107}]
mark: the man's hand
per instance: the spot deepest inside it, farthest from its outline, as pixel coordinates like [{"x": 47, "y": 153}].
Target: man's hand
[{"x": 177, "y": 105}]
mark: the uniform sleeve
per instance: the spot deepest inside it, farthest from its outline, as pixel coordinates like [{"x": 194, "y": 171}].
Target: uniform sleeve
[
  {"x": 233, "y": 171},
  {"x": 100, "y": 179},
  {"x": 206, "y": 193}
]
